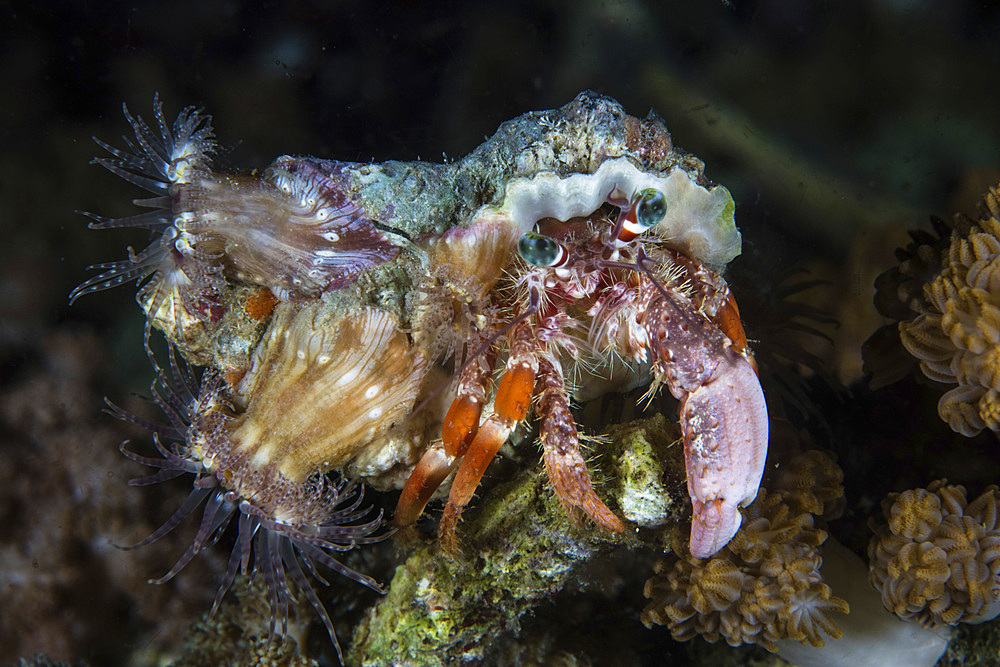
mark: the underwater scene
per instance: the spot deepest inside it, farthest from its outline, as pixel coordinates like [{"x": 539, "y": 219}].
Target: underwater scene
[{"x": 533, "y": 333}]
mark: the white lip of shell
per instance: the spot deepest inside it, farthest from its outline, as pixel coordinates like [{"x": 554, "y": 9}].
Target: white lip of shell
[{"x": 698, "y": 220}]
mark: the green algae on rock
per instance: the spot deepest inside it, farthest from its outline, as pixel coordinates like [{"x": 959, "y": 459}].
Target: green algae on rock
[
  {"x": 646, "y": 465},
  {"x": 518, "y": 551}
]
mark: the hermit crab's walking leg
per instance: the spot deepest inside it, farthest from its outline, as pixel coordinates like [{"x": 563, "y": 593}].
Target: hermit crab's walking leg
[
  {"x": 460, "y": 426},
  {"x": 513, "y": 399},
  {"x": 565, "y": 465}
]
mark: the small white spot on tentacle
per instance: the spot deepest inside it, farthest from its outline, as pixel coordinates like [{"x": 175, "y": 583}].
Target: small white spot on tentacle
[{"x": 349, "y": 376}]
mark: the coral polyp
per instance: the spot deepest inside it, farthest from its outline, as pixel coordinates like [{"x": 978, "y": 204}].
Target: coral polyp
[
  {"x": 766, "y": 585},
  {"x": 282, "y": 522},
  {"x": 935, "y": 554},
  {"x": 956, "y": 336}
]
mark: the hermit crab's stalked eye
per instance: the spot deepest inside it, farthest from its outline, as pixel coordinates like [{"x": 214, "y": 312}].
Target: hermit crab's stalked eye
[
  {"x": 650, "y": 207},
  {"x": 539, "y": 250},
  {"x": 647, "y": 209}
]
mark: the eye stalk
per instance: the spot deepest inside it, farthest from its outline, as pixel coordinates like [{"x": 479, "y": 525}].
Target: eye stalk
[
  {"x": 539, "y": 250},
  {"x": 647, "y": 209}
]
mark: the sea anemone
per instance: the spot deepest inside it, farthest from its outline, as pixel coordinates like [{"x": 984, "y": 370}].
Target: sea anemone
[
  {"x": 936, "y": 557},
  {"x": 282, "y": 523},
  {"x": 292, "y": 228},
  {"x": 180, "y": 286}
]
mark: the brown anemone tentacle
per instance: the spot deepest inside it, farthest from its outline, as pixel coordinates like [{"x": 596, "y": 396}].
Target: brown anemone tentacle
[{"x": 560, "y": 441}]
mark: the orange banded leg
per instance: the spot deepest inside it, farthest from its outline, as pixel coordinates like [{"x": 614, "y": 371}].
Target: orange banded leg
[
  {"x": 727, "y": 318},
  {"x": 564, "y": 463},
  {"x": 513, "y": 399},
  {"x": 459, "y": 428}
]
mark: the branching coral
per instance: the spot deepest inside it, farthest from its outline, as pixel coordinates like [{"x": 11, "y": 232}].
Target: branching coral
[
  {"x": 956, "y": 337},
  {"x": 765, "y": 586},
  {"x": 936, "y": 556}
]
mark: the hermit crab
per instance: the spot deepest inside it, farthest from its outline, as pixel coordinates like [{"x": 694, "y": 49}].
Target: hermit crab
[
  {"x": 576, "y": 249},
  {"x": 589, "y": 270}
]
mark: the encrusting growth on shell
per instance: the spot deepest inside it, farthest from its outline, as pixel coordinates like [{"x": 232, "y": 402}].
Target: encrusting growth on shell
[
  {"x": 765, "y": 585},
  {"x": 463, "y": 265},
  {"x": 935, "y": 556},
  {"x": 957, "y": 337}
]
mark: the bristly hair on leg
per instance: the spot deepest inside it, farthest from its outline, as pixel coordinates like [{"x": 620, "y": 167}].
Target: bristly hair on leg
[{"x": 280, "y": 525}]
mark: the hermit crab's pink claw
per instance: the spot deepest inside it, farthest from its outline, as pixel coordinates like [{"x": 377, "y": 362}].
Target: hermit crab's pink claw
[
  {"x": 725, "y": 444},
  {"x": 723, "y": 413},
  {"x": 713, "y": 524}
]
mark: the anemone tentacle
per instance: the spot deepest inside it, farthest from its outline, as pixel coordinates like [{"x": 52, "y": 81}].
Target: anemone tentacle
[{"x": 320, "y": 517}]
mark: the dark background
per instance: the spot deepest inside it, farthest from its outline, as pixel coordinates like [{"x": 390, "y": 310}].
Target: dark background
[
  {"x": 836, "y": 125},
  {"x": 825, "y": 120}
]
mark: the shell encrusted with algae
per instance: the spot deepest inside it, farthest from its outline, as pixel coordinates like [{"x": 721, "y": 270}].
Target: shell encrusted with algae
[{"x": 373, "y": 268}]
